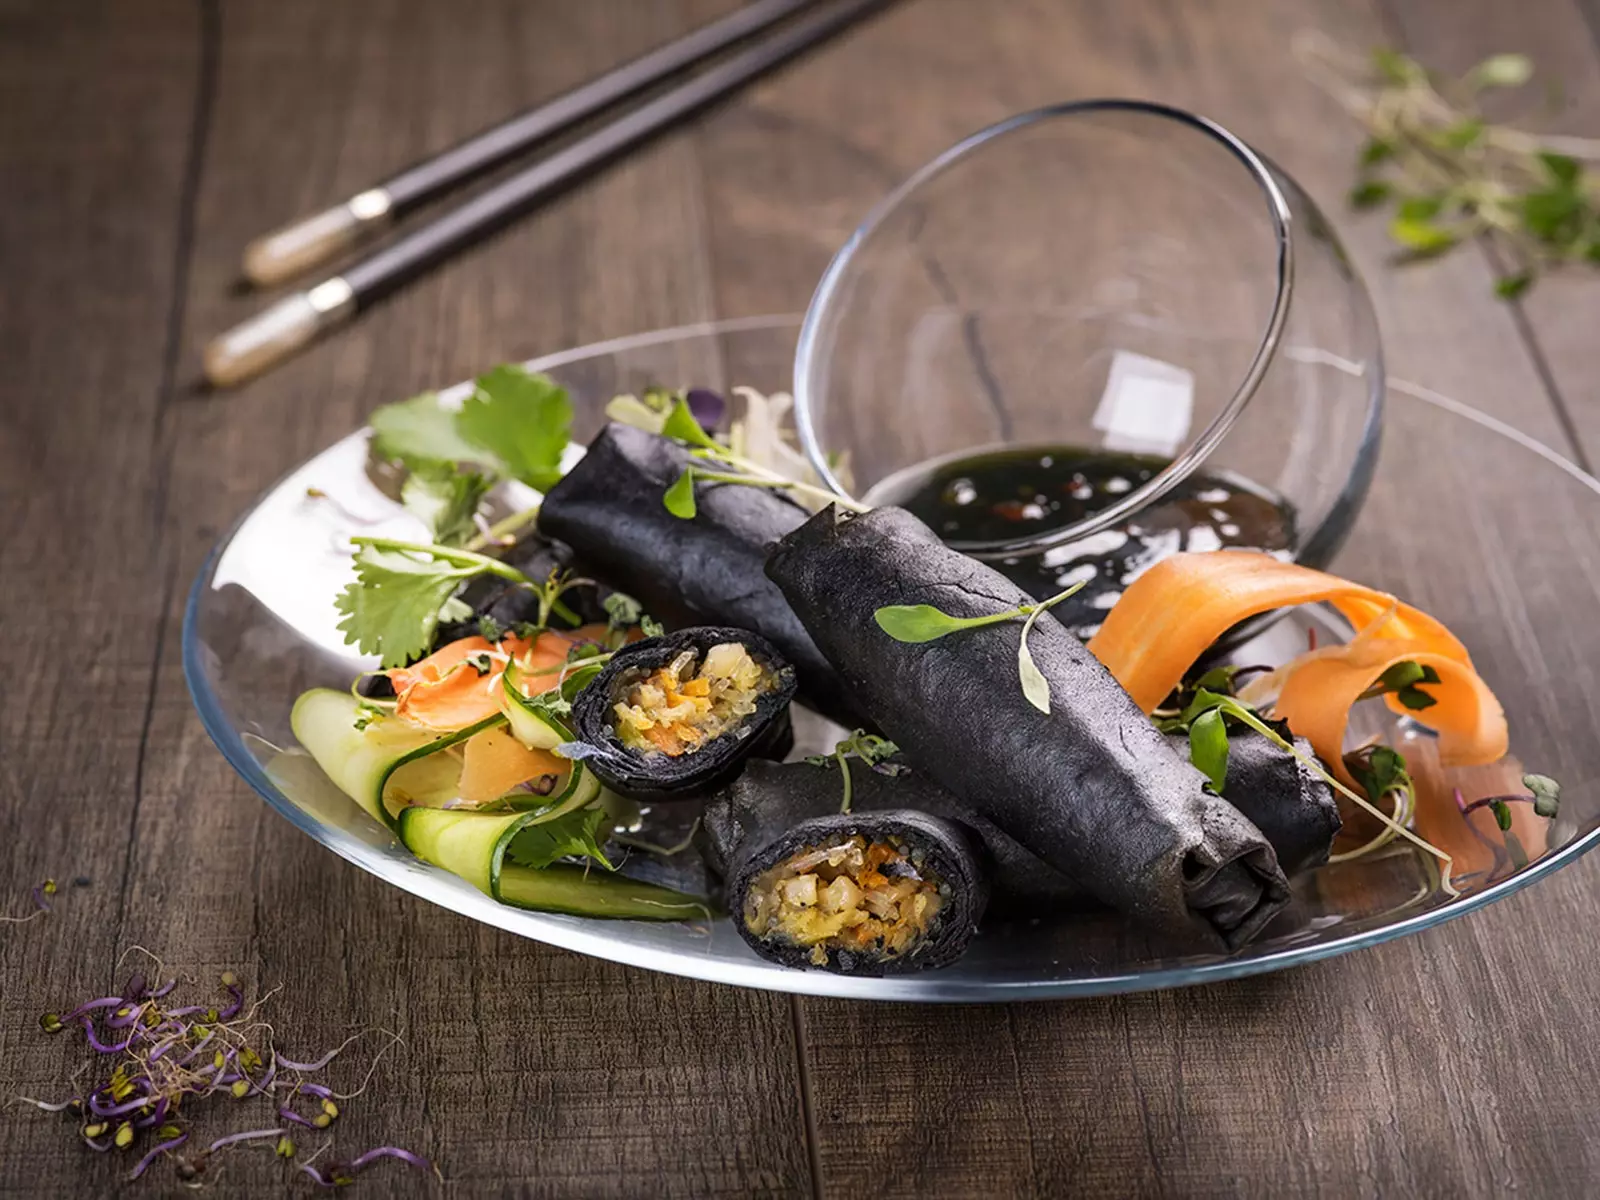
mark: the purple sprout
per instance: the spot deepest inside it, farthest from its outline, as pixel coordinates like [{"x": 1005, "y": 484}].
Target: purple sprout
[
  {"x": 252, "y": 1135},
  {"x": 340, "y": 1174},
  {"x": 156, "y": 1152},
  {"x": 104, "y": 1047}
]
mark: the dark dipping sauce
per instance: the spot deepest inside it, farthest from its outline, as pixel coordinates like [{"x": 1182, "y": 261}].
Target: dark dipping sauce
[{"x": 1015, "y": 493}]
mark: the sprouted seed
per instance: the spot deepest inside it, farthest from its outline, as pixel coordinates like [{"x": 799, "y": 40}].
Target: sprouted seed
[{"x": 168, "y": 1059}]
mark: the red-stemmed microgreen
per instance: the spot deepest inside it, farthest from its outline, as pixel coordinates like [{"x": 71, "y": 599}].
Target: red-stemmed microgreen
[
  {"x": 918, "y": 623},
  {"x": 165, "y": 1056},
  {"x": 1234, "y": 709}
]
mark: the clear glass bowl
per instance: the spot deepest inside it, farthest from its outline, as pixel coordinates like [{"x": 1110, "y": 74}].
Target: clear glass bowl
[
  {"x": 1508, "y": 577},
  {"x": 1107, "y": 274}
]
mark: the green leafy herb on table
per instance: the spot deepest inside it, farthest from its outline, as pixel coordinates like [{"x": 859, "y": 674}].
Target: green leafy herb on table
[{"x": 1446, "y": 174}]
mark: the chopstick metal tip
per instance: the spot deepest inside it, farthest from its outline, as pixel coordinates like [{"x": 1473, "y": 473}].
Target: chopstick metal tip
[
  {"x": 303, "y": 244},
  {"x": 252, "y": 346}
]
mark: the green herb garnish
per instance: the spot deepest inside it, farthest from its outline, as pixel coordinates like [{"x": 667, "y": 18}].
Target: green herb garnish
[
  {"x": 869, "y": 748},
  {"x": 1233, "y": 709},
  {"x": 574, "y": 835},
  {"x": 1208, "y": 747},
  {"x": 680, "y": 425},
  {"x": 523, "y": 420},
  {"x": 1450, "y": 175},
  {"x": 917, "y": 623},
  {"x": 402, "y": 591},
  {"x": 1401, "y": 681},
  {"x": 420, "y": 432},
  {"x": 446, "y": 501}
]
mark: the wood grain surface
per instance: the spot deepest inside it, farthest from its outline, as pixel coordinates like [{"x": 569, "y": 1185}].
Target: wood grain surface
[{"x": 142, "y": 144}]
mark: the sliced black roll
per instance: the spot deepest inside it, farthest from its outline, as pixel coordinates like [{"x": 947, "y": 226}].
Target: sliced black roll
[
  {"x": 508, "y": 604},
  {"x": 859, "y": 893},
  {"x": 771, "y": 796},
  {"x": 1091, "y": 787},
  {"x": 657, "y": 757},
  {"x": 707, "y": 570},
  {"x": 1284, "y": 798}
]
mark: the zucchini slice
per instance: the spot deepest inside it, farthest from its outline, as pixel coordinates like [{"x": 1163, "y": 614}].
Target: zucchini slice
[
  {"x": 535, "y": 726},
  {"x": 364, "y": 762},
  {"x": 473, "y": 845},
  {"x": 465, "y": 843},
  {"x": 594, "y": 893}
]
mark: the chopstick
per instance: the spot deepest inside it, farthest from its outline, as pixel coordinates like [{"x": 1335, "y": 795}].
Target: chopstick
[
  {"x": 251, "y": 347},
  {"x": 297, "y": 247}
]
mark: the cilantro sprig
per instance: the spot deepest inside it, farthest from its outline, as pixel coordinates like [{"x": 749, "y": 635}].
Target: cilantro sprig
[
  {"x": 402, "y": 590},
  {"x": 514, "y": 425}
]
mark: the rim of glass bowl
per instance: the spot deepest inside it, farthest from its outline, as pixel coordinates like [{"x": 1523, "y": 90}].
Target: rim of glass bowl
[
  {"x": 807, "y": 352},
  {"x": 590, "y": 937}
]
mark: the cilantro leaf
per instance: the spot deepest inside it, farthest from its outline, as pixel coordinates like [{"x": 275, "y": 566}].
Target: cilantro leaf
[
  {"x": 574, "y": 835},
  {"x": 395, "y": 603},
  {"x": 420, "y": 431},
  {"x": 445, "y": 500},
  {"x": 523, "y": 420}
]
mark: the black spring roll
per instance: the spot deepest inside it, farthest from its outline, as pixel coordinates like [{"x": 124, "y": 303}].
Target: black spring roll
[
  {"x": 1091, "y": 787},
  {"x": 771, "y": 796},
  {"x": 744, "y": 691},
  {"x": 879, "y": 893},
  {"x": 704, "y": 571},
  {"x": 1284, "y": 798},
  {"x": 508, "y": 604}
]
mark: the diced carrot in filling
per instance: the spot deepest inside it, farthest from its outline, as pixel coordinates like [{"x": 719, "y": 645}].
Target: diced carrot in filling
[
  {"x": 678, "y": 708},
  {"x": 850, "y": 895}
]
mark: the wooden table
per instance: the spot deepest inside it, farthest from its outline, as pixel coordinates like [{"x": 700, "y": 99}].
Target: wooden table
[{"x": 141, "y": 144}]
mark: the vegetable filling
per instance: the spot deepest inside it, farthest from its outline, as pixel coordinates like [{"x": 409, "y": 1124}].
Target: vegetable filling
[
  {"x": 681, "y": 707},
  {"x": 850, "y": 895}
]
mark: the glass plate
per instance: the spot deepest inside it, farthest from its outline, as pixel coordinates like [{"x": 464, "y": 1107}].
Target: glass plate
[{"x": 1480, "y": 525}]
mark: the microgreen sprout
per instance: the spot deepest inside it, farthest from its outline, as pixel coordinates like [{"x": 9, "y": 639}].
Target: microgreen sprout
[
  {"x": 1382, "y": 773},
  {"x": 872, "y": 750},
  {"x": 1401, "y": 681},
  {"x": 1545, "y": 798},
  {"x": 680, "y": 425},
  {"x": 1233, "y": 709},
  {"x": 163, "y": 1059},
  {"x": 40, "y": 894},
  {"x": 917, "y": 623},
  {"x": 1450, "y": 175}
]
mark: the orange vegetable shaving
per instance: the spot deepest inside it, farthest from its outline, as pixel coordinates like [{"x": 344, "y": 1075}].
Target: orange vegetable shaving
[
  {"x": 1175, "y": 611},
  {"x": 494, "y": 762},
  {"x": 446, "y": 692}
]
